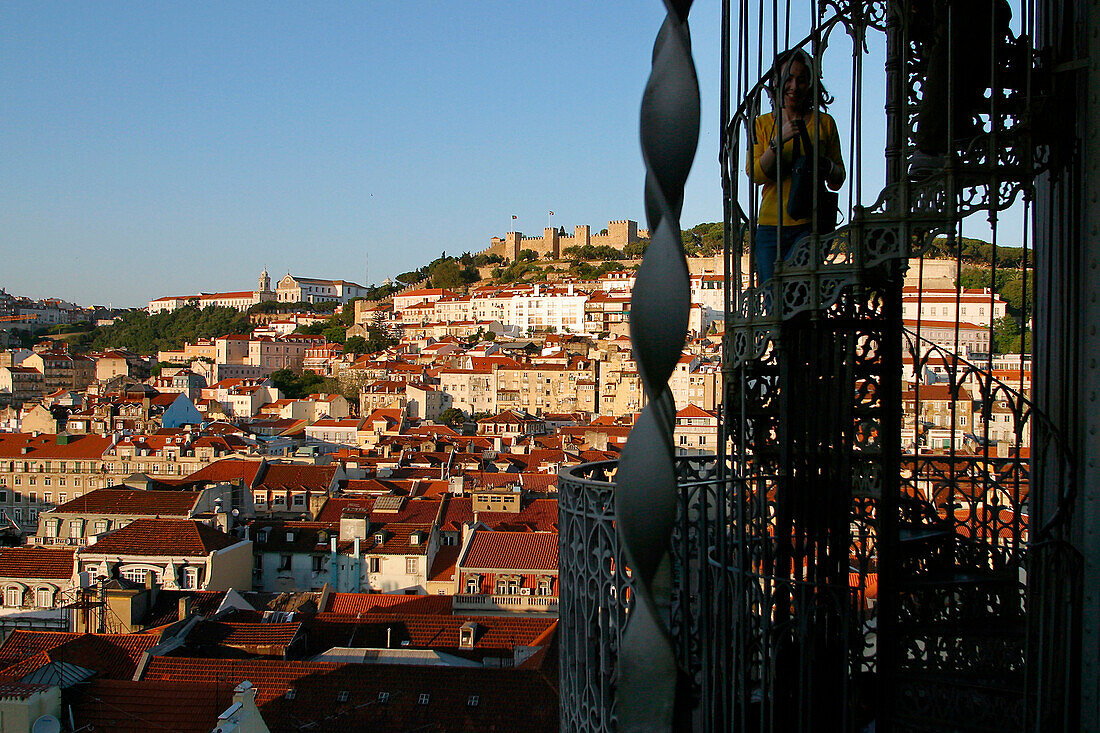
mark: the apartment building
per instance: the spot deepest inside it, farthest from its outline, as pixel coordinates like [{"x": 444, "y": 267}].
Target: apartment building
[
  {"x": 539, "y": 388},
  {"x": 19, "y": 384},
  {"x": 970, "y": 305},
  {"x": 470, "y": 390}
]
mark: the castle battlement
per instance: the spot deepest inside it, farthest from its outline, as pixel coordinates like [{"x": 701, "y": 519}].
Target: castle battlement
[{"x": 620, "y": 233}]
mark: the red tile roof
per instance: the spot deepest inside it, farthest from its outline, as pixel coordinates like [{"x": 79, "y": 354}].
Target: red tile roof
[
  {"x": 359, "y": 603},
  {"x": 187, "y": 537},
  {"x": 437, "y": 631},
  {"x": 36, "y": 562},
  {"x": 244, "y": 635},
  {"x": 284, "y": 476},
  {"x": 398, "y": 539},
  {"x": 125, "y": 706},
  {"x": 133, "y": 501},
  {"x": 225, "y": 470},
  {"x": 30, "y": 447},
  {"x": 112, "y": 655},
  {"x": 538, "y": 515},
  {"x": 512, "y": 551},
  {"x": 443, "y": 567},
  {"x": 507, "y": 698}
]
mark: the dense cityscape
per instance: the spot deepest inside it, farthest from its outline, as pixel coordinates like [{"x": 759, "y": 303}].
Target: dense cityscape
[
  {"x": 354, "y": 479},
  {"x": 299, "y": 431}
]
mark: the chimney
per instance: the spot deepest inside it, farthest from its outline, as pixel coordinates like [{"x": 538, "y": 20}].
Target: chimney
[{"x": 184, "y": 607}]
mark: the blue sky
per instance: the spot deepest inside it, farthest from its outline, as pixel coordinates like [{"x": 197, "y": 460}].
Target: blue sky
[{"x": 152, "y": 149}]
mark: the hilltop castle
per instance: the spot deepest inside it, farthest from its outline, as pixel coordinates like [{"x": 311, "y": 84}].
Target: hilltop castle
[{"x": 619, "y": 234}]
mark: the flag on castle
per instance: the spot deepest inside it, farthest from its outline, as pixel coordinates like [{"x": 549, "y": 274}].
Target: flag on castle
[
  {"x": 514, "y": 217},
  {"x": 551, "y": 213}
]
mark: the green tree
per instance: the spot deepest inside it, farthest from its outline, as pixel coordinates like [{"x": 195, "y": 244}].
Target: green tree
[
  {"x": 452, "y": 417},
  {"x": 295, "y": 386},
  {"x": 356, "y": 345},
  {"x": 636, "y": 249},
  {"x": 267, "y": 306},
  {"x": 446, "y": 274},
  {"x": 527, "y": 255},
  {"x": 336, "y": 333},
  {"x": 1006, "y": 334}
]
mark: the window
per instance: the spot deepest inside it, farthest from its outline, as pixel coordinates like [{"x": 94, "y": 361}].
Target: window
[
  {"x": 284, "y": 562},
  {"x": 137, "y": 575},
  {"x": 342, "y": 696},
  {"x": 423, "y": 699},
  {"x": 473, "y": 585},
  {"x": 258, "y": 561},
  {"x": 101, "y": 526},
  {"x": 75, "y": 528},
  {"x": 13, "y": 597},
  {"x": 318, "y": 563},
  {"x": 411, "y": 565},
  {"x": 299, "y": 500},
  {"x": 290, "y": 694},
  {"x": 190, "y": 578},
  {"x": 62, "y": 498},
  {"x": 383, "y": 697},
  {"x": 18, "y": 513},
  {"x": 472, "y": 701},
  {"x": 502, "y": 587},
  {"x": 376, "y": 565},
  {"x": 43, "y": 598}
]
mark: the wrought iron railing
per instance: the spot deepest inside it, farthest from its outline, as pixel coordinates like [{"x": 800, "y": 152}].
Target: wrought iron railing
[{"x": 597, "y": 590}]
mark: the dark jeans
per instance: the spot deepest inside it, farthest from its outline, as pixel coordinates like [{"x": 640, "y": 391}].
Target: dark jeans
[
  {"x": 765, "y": 249},
  {"x": 959, "y": 67}
]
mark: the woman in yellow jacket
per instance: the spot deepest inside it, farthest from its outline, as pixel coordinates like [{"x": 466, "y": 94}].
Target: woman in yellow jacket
[{"x": 799, "y": 103}]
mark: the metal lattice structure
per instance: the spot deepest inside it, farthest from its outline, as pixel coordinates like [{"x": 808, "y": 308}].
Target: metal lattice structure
[{"x": 892, "y": 532}]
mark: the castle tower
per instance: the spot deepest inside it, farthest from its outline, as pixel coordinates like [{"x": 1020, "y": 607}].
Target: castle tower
[
  {"x": 622, "y": 232},
  {"x": 512, "y": 242},
  {"x": 582, "y": 235},
  {"x": 265, "y": 282},
  {"x": 551, "y": 242}
]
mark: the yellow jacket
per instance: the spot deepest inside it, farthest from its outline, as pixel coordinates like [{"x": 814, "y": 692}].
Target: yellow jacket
[{"x": 823, "y": 135}]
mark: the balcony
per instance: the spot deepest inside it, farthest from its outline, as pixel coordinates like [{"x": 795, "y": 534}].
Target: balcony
[{"x": 507, "y": 602}]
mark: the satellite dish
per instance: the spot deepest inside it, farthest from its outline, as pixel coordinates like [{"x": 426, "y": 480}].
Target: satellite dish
[
  {"x": 236, "y": 512},
  {"x": 46, "y": 724}
]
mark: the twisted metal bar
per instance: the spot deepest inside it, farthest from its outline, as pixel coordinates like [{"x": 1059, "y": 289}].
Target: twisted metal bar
[{"x": 652, "y": 689}]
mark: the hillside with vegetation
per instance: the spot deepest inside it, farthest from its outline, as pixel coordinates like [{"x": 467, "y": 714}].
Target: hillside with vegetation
[{"x": 981, "y": 266}]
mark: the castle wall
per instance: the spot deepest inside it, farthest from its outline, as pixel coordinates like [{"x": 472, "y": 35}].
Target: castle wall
[{"x": 619, "y": 234}]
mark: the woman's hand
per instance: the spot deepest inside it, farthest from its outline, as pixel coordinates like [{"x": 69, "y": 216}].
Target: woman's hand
[
  {"x": 791, "y": 129},
  {"x": 788, "y": 131}
]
